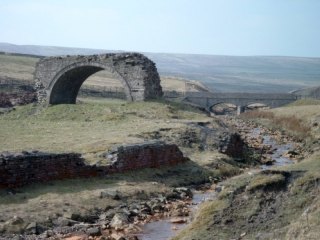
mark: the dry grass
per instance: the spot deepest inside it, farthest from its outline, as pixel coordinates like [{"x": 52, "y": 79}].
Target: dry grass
[
  {"x": 304, "y": 102},
  {"x": 263, "y": 180},
  {"x": 291, "y": 123},
  {"x": 17, "y": 67}
]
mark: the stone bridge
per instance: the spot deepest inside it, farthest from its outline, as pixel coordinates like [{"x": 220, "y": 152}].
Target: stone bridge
[
  {"x": 58, "y": 79},
  {"x": 207, "y": 100}
]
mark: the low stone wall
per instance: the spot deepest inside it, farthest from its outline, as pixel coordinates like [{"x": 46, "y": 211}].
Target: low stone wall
[
  {"x": 20, "y": 169},
  {"x": 31, "y": 167},
  {"x": 153, "y": 154}
]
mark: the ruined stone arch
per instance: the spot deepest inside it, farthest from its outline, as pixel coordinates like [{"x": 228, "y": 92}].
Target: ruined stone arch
[{"x": 58, "y": 79}]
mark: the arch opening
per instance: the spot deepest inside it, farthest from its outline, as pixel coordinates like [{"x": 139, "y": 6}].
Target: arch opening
[
  {"x": 66, "y": 87},
  {"x": 256, "y": 106},
  {"x": 224, "y": 109},
  {"x": 102, "y": 84}
]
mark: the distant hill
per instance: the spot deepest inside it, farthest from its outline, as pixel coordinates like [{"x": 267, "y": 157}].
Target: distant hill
[
  {"x": 220, "y": 73},
  {"x": 311, "y": 92}
]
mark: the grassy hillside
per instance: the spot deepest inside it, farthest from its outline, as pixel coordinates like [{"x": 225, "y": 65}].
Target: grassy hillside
[
  {"x": 231, "y": 73},
  {"x": 220, "y": 73},
  {"x": 17, "y": 67}
]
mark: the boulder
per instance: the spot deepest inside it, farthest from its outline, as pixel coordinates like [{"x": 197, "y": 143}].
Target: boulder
[
  {"x": 115, "y": 195},
  {"x": 63, "y": 222},
  {"x": 119, "y": 221},
  {"x": 14, "y": 225},
  {"x": 184, "y": 192},
  {"x": 94, "y": 231}
]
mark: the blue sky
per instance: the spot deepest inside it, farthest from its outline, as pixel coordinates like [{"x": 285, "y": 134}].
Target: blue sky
[{"x": 223, "y": 27}]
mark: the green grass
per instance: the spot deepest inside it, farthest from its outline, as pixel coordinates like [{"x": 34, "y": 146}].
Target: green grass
[
  {"x": 91, "y": 126},
  {"x": 264, "y": 180}
]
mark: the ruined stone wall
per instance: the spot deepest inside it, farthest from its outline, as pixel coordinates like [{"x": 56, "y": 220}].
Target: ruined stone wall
[
  {"x": 20, "y": 169},
  {"x": 58, "y": 79},
  {"x": 145, "y": 155}
]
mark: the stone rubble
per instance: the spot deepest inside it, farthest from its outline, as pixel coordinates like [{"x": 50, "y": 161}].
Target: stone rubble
[{"x": 122, "y": 222}]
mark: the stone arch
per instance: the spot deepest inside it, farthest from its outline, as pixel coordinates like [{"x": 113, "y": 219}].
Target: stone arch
[
  {"x": 259, "y": 104},
  {"x": 63, "y": 91},
  {"x": 223, "y": 110},
  {"x": 58, "y": 79}
]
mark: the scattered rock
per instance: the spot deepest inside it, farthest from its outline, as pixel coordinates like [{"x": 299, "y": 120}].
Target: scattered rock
[
  {"x": 64, "y": 222},
  {"x": 119, "y": 221},
  {"x": 172, "y": 196},
  {"x": 178, "y": 220},
  {"x": 14, "y": 225},
  {"x": 184, "y": 192},
  {"x": 31, "y": 228},
  {"x": 219, "y": 188},
  {"x": 95, "y": 231},
  {"x": 115, "y": 195}
]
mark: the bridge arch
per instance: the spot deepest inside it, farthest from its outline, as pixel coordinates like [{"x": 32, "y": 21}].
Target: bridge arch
[
  {"x": 208, "y": 99},
  {"x": 256, "y": 105},
  {"x": 58, "y": 79},
  {"x": 223, "y": 108}
]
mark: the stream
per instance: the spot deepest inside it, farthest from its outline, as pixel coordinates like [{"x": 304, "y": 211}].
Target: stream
[
  {"x": 277, "y": 154},
  {"x": 164, "y": 229}
]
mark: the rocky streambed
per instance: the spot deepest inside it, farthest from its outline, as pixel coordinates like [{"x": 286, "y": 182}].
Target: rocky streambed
[{"x": 273, "y": 148}]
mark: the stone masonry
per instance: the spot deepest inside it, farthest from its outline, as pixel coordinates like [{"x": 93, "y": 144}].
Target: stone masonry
[
  {"x": 152, "y": 154},
  {"x": 58, "y": 79},
  {"x": 207, "y": 100},
  {"x": 35, "y": 167}
]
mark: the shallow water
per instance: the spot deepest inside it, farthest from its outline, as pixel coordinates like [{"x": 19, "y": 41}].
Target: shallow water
[
  {"x": 163, "y": 229},
  {"x": 279, "y": 160}
]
